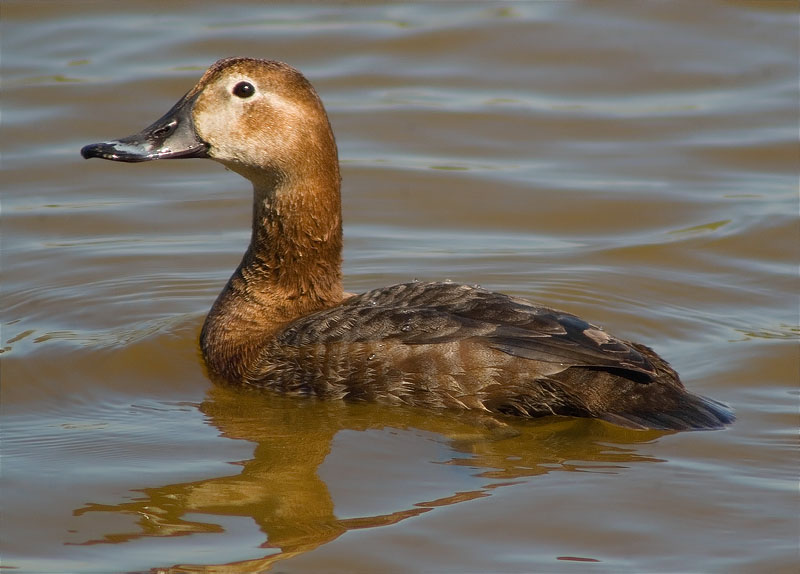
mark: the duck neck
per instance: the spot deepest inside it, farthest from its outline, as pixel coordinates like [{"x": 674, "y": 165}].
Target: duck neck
[{"x": 291, "y": 268}]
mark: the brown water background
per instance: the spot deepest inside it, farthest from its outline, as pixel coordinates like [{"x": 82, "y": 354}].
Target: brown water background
[{"x": 633, "y": 162}]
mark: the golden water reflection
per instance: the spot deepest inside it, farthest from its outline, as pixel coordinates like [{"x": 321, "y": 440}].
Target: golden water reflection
[{"x": 280, "y": 489}]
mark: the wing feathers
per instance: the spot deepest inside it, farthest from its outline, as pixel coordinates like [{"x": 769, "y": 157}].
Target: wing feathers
[{"x": 437, "y": 313}]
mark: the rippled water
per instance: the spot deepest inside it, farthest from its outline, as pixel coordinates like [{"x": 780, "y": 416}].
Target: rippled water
[{"x": 633, "y": 162}]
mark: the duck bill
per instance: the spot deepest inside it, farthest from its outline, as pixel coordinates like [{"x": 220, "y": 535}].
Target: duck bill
[{"x": 170, "y": 137}]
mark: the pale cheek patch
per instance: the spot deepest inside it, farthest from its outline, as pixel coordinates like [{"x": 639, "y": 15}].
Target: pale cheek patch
[
  {"x": 217, "y": 125},
  {"x": 251, "y": 130}
]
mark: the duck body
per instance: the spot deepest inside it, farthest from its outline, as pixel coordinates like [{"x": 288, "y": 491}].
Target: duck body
[
  {"x": 284, "y": 323},
  {"x": 448, "y": 345}
]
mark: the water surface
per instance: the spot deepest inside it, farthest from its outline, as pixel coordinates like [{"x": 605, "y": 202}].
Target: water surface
[{"x": 635, "y": 163}]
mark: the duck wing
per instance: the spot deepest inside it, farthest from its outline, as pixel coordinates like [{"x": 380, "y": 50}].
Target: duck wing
[{"x": 439, "y": 313}]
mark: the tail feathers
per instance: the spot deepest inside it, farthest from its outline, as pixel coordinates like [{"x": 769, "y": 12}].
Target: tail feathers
[{"x": 689, "y": 412}]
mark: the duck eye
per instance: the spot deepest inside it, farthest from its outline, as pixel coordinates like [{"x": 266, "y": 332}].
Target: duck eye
[{"x": 243, "y": 90}]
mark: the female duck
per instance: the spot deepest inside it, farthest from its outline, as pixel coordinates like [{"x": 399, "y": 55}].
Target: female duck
[{"x": 283, "y": 321}]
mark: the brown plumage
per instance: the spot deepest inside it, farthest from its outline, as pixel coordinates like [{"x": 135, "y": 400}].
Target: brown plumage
[{"x": 284, "y": 323}]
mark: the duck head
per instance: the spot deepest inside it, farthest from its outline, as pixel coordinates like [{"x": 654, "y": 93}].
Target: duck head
[
  {"x": 263, "y": 120},
  {"x": 257, "y": 117}
]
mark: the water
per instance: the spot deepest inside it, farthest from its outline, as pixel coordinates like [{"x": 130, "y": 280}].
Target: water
[{"x": 635, "y": 163}]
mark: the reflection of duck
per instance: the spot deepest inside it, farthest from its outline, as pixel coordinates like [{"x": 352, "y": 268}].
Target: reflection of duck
[
  {"x": 283, "y": 321},
  {"x": 281, "y": 490}
]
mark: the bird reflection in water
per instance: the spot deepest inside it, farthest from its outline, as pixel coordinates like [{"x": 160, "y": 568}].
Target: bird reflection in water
[{"x": 281, "y": 490}]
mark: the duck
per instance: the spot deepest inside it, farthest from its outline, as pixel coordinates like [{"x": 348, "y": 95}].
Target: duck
[{"x": 284, "y": 323}]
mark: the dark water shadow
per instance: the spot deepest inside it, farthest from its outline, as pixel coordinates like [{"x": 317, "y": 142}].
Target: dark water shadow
[{"x": 280, "y": 489}]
